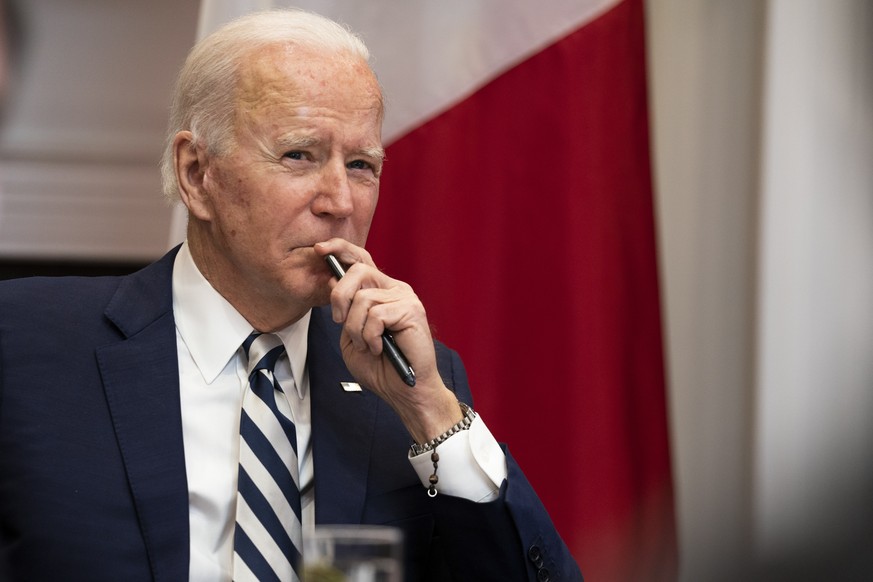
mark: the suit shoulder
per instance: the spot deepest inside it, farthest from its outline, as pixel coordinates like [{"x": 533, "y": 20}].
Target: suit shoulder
[
  {"x": 73, "y": 299},
  {"x": 55, "y": 304},
  {"x": 38, "y": 289}
]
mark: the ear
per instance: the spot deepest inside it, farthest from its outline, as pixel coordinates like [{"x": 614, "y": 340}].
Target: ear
[{"x": 191, "y": 163}]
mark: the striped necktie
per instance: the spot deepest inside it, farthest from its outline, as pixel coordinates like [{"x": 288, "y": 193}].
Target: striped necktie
[{"x": 268, "y": 539}]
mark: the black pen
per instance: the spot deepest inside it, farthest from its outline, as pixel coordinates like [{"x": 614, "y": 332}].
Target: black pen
[{"x": 389, "y": 346}]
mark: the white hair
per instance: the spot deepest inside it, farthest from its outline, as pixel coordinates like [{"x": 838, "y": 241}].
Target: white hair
[{"x": 205, "y": 93}]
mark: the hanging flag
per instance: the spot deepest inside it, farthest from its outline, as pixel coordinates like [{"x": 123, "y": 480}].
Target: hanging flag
[
  {"x": 523, "y": 216},
  {"x": 516, "y": 199}
]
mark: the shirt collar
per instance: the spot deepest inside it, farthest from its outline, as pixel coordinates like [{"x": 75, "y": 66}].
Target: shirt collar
[
  {"x": 213, "y": 329},
  {"x": 295, "y": 337}
]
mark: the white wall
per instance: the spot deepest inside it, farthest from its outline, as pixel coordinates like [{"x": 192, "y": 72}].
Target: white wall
[
  {"x": 83, "y": 128},
  {"x": 763, "y": 144},
  {"x": 705, "y": 104},
  {"x": 814, "y": 422}
]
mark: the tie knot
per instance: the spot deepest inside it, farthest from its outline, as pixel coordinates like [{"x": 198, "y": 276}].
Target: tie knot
[{"x": 262, "y": 350}]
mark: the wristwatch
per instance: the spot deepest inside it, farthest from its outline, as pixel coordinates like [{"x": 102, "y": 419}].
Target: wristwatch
[{"x": 463, "y": 424}]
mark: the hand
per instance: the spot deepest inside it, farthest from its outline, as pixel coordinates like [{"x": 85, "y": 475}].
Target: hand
[{"x": 367, "y": 302}]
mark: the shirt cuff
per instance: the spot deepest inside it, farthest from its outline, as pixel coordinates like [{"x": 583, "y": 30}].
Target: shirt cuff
[{"x": 471, "y": 466}]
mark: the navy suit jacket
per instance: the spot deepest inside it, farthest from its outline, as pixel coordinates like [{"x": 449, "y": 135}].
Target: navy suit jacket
[{"x": 92, "y": 470}]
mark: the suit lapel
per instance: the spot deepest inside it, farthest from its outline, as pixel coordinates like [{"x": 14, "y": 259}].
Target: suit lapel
[
  {"x": 141, "y": 380},
  {"x": 343, "y": 425}
]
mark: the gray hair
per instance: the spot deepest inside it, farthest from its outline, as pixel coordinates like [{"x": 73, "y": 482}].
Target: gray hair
[{"x": 205, "y": 94}]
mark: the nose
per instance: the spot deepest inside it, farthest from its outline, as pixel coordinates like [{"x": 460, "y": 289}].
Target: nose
[{"x": 333, "y": 197}]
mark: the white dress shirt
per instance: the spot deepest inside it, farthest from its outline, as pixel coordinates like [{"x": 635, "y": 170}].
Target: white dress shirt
[{"x": 212, "y": 373}]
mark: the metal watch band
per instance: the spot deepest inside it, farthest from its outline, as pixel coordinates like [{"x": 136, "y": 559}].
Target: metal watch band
[{"x": 463, "y": 424}]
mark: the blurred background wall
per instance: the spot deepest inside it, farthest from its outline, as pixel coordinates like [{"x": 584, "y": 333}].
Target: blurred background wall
[
  {"x": 763, "y": 141},
  {"x": 762, "y": 119},
  {"x": 83, "y": 123}
]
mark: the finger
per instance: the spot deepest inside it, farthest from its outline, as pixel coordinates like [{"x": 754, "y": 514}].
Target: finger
[
  {"x": 359, "y": 277},
  {"x": 357, "y": 322},
  {"x": 396, "y": 310},
  {"x": 392, "y": 316},
  {"x": 343, "y": 293}
]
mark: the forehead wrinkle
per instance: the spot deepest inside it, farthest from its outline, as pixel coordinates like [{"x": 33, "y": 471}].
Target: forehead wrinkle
[
  {"x": 271, "y": 75},
  {"x": 285, "y": 81},
  {"x": 264, "y": 85}
]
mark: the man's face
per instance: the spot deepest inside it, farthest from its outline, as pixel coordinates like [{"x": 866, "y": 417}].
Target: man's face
[{"x": 305, "y": 169}]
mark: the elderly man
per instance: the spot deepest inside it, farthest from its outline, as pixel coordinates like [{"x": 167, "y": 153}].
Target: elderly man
[{"x": 192, "y": 419}]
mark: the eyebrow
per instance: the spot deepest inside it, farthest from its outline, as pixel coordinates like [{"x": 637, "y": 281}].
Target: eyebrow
[
  {"x": 297, "y": 141},
  {"x": 377, "y": 153}
]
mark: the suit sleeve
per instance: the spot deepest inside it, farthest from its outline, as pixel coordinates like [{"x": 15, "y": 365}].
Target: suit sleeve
[{"x": 510, "y": 538}]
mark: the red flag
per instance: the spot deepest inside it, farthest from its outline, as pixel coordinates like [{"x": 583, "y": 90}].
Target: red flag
[{"x": 523, "y": 216}]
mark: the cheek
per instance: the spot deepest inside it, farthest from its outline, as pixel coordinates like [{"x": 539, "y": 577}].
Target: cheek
[
  {"x": 364, "y": 217},
  {"x": 240, "y": 194},
  {"x": 238, "y": 218},
  {"x": 244, "y": 207},
  {"x": 366, "y": 200},
  {"x": 369, "y": 204},
  {"x": 235, "y": 193}
]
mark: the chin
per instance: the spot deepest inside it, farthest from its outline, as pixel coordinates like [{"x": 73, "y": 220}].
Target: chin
[
  {"x": 321, "y": 300},
  {"x": 305, "y": 275},
  {"x": 315, "y": 290}
]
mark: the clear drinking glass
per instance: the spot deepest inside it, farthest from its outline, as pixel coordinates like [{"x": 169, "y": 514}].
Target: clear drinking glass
[{"x": 353, "y": 553}]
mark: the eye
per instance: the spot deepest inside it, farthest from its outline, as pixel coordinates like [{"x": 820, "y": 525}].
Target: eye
[
  {"x": 295, "y": 155},
  {"x": 359, "y": 165},
  {"x": 373, "y": 168}
]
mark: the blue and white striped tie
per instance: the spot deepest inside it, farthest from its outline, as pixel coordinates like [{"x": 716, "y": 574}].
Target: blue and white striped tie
[{"x": 268, "y": 539}]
